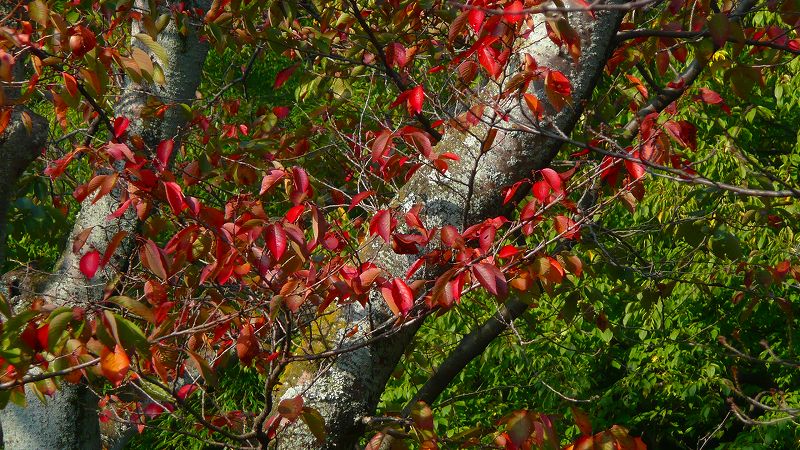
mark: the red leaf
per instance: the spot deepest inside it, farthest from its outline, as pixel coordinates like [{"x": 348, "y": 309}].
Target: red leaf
[
  {"x": 475, "y": 19},
  {"x": 541, "y": 190},
  {"x": 284, "y": 75},
  {"x": 270, "y": 179},
  {"x": 276, "y": 240},
  {"x": 185, "y": 391},
  {"x": 490, "y": 277},
  {"x": 381, "y": 144},
  {"x": 510, "y": 191},
  {"x": 634, "y": 168},
  {"x": 512, "y": 13},
  {"x": 163, "y": 153},
  {"x": 552, "y": 179},
  {"x": 174, "y": 197},
  {"x": 566, "y": 227},
  {"x": 112, "y": 246},
  {"x": 120, "y": 125},
  {"x": 399, "y": 297},
  {"x": 486, "y": 238},
  {"x": 89, "y": 263},
  {"x": 536, "y": 107},
  {"x": 294, "y": 213},
  {"x": 396, "y": 54},
  {"x": 300, "y": 179},
  {"x": 420, "y": 141},
  {"x": 582, "y": 421},
  {"x": 119, "y": 151},
  {"x": 70, "y": 84},
  {"x": 152, "y": 259},
  {"x": 683, "y": 132},
  {"x": 416, "y": 97},
  {"x": 558, "y": 89},
  {"x": 381, "y": 224},
  {"x": 358, "y": 198},
  {"x": 508, "y": 251},
  {"x": 80, "y": 240},
  {"x": 488, "y": 60}
]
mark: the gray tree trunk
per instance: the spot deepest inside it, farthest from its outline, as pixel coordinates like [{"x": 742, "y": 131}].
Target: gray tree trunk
[
  {"x": 470, "y": 192},
  {"x": 69, "y": 421}
]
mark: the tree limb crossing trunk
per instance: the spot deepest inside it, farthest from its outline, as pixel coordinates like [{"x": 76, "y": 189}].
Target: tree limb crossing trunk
[{"x": 351, "y": 388}]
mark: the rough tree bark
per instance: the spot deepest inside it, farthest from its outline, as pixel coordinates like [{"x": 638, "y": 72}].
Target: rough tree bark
[
  {"x": 19, "y": 146},
  {"x": 69, "y": 421},
  {"x": 469, "y": 193}
]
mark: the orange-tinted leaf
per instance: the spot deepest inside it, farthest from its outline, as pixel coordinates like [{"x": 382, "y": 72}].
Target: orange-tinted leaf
[
  {"x": 536, "y": 107},
  {"x": 291, "y": 408},
  {"x": 80, "y": 240},
  {"x": 152, "y": 259},
  {"x": 566, "y": 227},
  {"x": 114, "y": 364},
  {"x": 70, "y": 84}
]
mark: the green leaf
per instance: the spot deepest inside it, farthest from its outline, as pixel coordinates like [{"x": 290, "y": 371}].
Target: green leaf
[
  {"x": 315, "y": 422},
  {"x": 134, "y": 306},
  {"x": 58, "y": 321},
  {"x": 131, "y": 336},
  {"x": 203, "y": 367},
  {"x": 154, "y": 47}
]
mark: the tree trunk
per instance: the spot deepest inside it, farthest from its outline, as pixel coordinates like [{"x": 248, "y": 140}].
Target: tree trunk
[
  {"x": 471, "y": 192},
  {"x": 69, "y": 421},
  {"x": 19, "y": 147}
]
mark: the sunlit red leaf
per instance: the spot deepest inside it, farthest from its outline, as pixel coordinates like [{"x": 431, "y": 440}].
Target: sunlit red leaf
[
  {"x": 276, "y": 240},
  {"x": 553, "y": 179},
  {"x": 270, "y": 179},
  {"x": 358, "y": 198},
  {"x": 120, "y": 125},
  {"x": 174, "y": 197},
  {"x": 163, "y": 152},
  {"x": 381, "y": 224},
  {"x": 512, "y": 13},
  {"x": 535, "y": 106},
  {"x": 399, "y": 296},
  {"x": 475, "y": 18},
  {"x": 416, "y": 97},
  {"x": 89, "y": 263}
]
